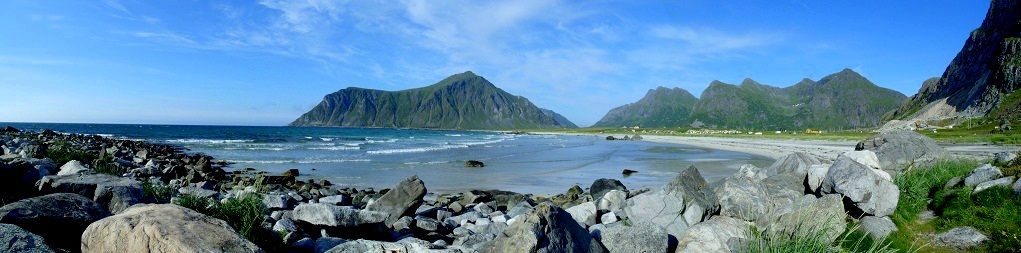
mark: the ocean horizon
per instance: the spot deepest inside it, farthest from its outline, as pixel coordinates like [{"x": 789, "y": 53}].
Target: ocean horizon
[{"x": 380, "y": 157}]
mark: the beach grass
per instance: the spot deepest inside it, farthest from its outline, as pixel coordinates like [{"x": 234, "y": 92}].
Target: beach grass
[
  {"x": 984, "y": 134},
  {"x": 244, "y": 213}
]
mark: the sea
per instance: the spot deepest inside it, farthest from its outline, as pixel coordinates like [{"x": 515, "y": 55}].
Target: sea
[{"x": 379, "y": 158}]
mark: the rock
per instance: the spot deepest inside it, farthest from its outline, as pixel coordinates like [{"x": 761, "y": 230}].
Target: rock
[
  {"x": 575, "y": 191},
  {"x": 878, "y": 227},
  {"x": 11, "y": 129},
  {"x": 546, "y": 229},
  {"x": 336, "y": 216},
  {"x": 613, "y": 200},
  {"x": 276, "y": 201},
  {"x": 797, "y": 163},
  {"x": 304, "y": 245},
  {"x": 686, "y": 195},
  {"x": 808, "y": 216},
  {"x": 37, "y": 151},
  {"x": 999, "y": 182},
  {"x": 402, "y": 200},
  {"x": 868, "y": 191},
  {"x": 627, "y": 172},
  {"x": 1004, "y": 158},
  {"x": 324, "y": 244},
  {"x": 718, "y": 234},
  {"x": 783, "y": 189},
  {"x": 608, "y": 218},
  {"x": 742, "y": 198},
  {"x": 60, "y": 217},
  {"x": 474, "y": 164},
  {"x": 899, "y": 150},
  {"x": 864, "y": 157},
  {"x": 427, "y": 224},
  {"x": 981, "y": 174},
  {"x": 755, "y": 173},
  {"x": 335, "y": 200},
  {"x": 953, "y": 182},
  {"x": 816, "y": 174},
  {"x": 603, "y": 185},
  {"x": 610, "y": 138},
  {"x": 523, "y": 207},
  {"x": 285, "y": 225},
  {"x": 403, "y": 223},
  {"x": 404, "y": 245},
  {"x": 16, "y": 239},
  {"x": 18, "y": 178},
  {"x": 291, "y": 173},
  {"x": 1017, "y": 187},
  {"x": 960, "y": 238},
  {"x": 584, "y": 213},
  {"x": 198, "y": 192},
  {"x": 73, "y": 167},
  {"x": 636, "y": 138},
  {"x": 639, "y": 237},
  {"x": 167, "y": 227},
  {"x": 112, "y": 192}
]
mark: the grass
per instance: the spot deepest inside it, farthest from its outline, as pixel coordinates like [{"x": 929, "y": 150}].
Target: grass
[
  {"x": 61, "y": 155},
  {"x": 157, "y": 193},
  {"x": 814, "y": 238},
  {"x": 961, "y": 134},
  {"x": 995, "y": 211},
  {"x": 243, "y": 213}
]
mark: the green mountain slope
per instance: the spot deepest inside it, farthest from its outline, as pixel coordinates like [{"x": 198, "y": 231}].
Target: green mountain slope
[
  {"x": 461, "y": 101},
  {"x": 661, "y": 107}
]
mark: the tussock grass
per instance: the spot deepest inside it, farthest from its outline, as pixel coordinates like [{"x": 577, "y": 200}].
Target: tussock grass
[
  {"x": 995, "y": 211},
  {"x": 244, "y": 213},
  {"x": 156, "y": 192},
  {"x": 918, "y": 186}
]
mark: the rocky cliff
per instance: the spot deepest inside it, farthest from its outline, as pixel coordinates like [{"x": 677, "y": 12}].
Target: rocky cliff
[
  {"x": 983, "y": 78},
  {"x": 461, "y": 101}
]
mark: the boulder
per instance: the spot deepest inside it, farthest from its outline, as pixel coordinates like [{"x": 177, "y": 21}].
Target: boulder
[
  {"x": 878, "y": 227},
  {"x": 613, "y": 200},
  {"x": 1004, "y": 158},
  {"x": 33, "y": 151},
  {"x": 16, "y": 239},
  {"x": 953, "y": 182},
  {"x": 410, "y": 244},
  {"x": 783, "y": 189},
  {"x": 60, "y": 217},
  {"x": 742, "y": 198},
  {"x": 718, "y": 234},
  {"x": 960, "y": 238},
  {"x": 808, "y": 216},
  {"x": 335, "y": 200},
  {"x": 336, "y": 216},
  {"x": 700, "y": 200},
  {"x": 201, "y": 193},
  {"x": 584, "y": 213},
  {"x": 816, "y": 174},
  {"x": 608, "y": 218},
  {"x": 73, "y": 167},
  {"x": 686, "y": 195},
  {"x": 112, "y": 192},
  {"x": 797, "y": 163},
  {"x": 869, "y": 159},
  {"x": 546, "y": 229},
  {"x": 989, "y": 184},
  {"x": 474, "y": 164},
  {"x": 1017, "y": 187},
  {"x": 900, "y": 150},
  {"x": 324, "y": 244},
  {"x": 639, "y": 237},
  {"x": 868, "y": 191},
  {"x": 428, "y": 224},
  {"x": 166, "y": 227},
  {"x": 291, "y": 173},
  {"x": 603, "y": 185},
  {"x": 18, "y": 178},
  {"x": 276, "y": 201},
  {"x": 983, "y": 173},
  {"x": 402, "y": 200}
]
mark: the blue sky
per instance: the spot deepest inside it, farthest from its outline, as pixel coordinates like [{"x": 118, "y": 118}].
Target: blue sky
[{"x": 267, "y": 62}]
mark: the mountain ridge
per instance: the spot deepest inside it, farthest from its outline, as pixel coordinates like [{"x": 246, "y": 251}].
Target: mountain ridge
[{"x": 460, "y": 101}]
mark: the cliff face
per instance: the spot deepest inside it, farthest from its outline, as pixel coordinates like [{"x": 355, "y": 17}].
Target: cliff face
[
  {"x": 661, "y": 107},
  {"x": 462, "y": 101},
  {"x": 983, "y": 77}
]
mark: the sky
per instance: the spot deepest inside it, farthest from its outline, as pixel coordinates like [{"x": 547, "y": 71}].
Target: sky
[{"x": 267, "y": 62}]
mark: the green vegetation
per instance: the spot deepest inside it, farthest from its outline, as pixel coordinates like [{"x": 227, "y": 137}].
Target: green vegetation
[
  {"x": 157, "y": 193},
  {"x": 995, "y": 211},
  {"x": 244, "y": 213},
  {"x": 813, "y": 238},
  {"x": 660, "y": 107},
  {"x": 61, "y": 154}
]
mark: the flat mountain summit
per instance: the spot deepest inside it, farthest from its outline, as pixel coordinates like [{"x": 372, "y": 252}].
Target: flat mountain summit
[
  {"x": 461, "y": 101},
  {"x": 841, "y": 100}
]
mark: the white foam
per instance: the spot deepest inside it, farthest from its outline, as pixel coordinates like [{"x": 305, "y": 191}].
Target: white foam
[
  {"x": 415, "y": 150},
  {"x": 326, "y": 139},
  {"x": 335, "y": 148},
  {"x": 382, "y": 141},
  {"x": 207, "y": 141},
  {"x": 301, "y": 162}
]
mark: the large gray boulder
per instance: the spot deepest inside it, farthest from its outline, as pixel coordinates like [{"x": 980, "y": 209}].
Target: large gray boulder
[
  {"x": 613, "y": 201},
  {"x": 807, "y": 217},
  {"x": 816, "y": 174},
  {"x": 112, "y": 192},
  {"x": 983, "y": 173},
  {"x": 405, "y": 245},
  {"x": 878, "y": 227},
  {"x": 784, "y": 188},
  {"x": 163, "y": 228},
  {"x": 73, "y": 167},
  {"x": 796, "y": 163},
  {"x": 336, "y": 216},
  {"x": 639, "y": 237},
  {"x": 868, "y": 191},
  {"x": 402, "y": 200},
  {"x": 584, "y": 213},
  {"x": 900, "y": 150},
  {"x": 998, "y": 182},
  {"x": 718, "y": 234},
  {"x": 869, "y": 159},
  {"x": 960, "y": 238},
  {"x": 742, "y": 198},
  {"x": 603, "y": 185},
  {"x": 18, "y": 177},
  {"x": 58, "y": 217},
  {"x": 16, "y": 239},
  {"x": 687, "y": 196},
  {"x": 547, "y": 229}
]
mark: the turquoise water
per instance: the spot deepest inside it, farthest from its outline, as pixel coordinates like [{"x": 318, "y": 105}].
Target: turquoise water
[{"x": 379, "y": 158}]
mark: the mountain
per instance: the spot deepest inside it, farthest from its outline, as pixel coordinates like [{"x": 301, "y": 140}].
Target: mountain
[
  {"x": 461, "y": 101},
  {"x": 843, "y": 100},
  {"x": 661, "y": 107},
  {"x": 983, "y": 78}
]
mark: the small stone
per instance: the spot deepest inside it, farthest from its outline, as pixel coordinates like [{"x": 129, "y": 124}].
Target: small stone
[
  {"x": 608, "y": 218},
  {"x": 983, "y": 173},
  {"x": 960, "y": 237},
  {"x": 989, "y": 184}
]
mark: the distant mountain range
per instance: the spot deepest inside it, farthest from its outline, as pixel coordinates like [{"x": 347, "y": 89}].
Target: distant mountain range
[
  {"x": 843, "y": 100},
  {"x": 461, "y": 101},
  {"x": 982, "y": 80}
]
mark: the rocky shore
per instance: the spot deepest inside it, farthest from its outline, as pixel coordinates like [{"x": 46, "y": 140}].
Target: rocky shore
[{"x": 84, "y": 193}]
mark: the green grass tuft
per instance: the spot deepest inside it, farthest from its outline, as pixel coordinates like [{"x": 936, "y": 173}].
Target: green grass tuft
[
  {"x": 157, "y": 193},
  {"x": 245, "y": 214},
  {"x": 995, "y": 211},
  {"x": 917, "y": 187}
]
